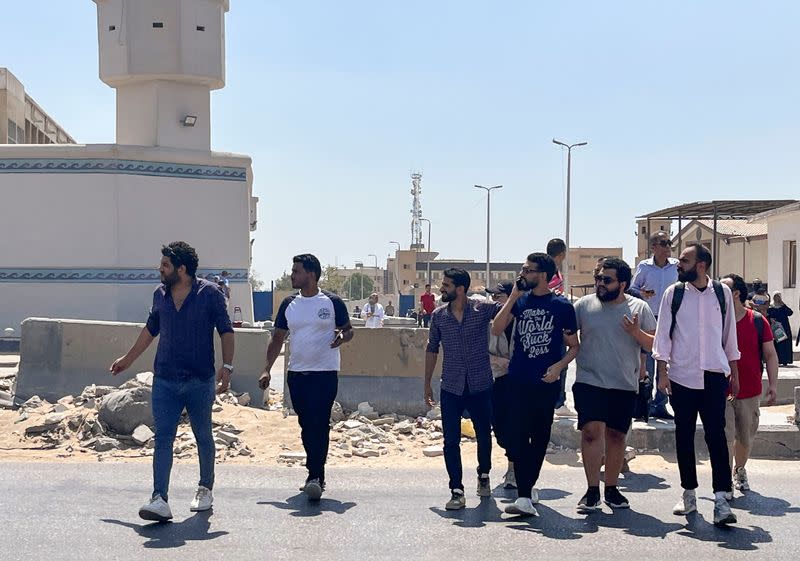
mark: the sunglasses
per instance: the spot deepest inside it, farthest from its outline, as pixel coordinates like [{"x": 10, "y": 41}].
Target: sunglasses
[
  {"x": 665, "y": 243},
  {"x": 604, "y": 279},
  {"x": 526, "y": 270}
]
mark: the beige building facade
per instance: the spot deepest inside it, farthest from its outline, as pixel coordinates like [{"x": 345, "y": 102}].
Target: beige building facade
[{"x": 22, "y": 120}]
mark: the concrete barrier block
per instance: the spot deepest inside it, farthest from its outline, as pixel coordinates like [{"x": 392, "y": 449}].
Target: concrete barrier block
[{"x": 60, "y": 357}]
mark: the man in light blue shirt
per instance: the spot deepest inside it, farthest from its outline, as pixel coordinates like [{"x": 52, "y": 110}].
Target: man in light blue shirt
[{"x": 652, "y": 278}]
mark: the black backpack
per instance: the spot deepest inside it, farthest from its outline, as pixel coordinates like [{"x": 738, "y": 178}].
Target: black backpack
[{"x": 677, "y": 298}]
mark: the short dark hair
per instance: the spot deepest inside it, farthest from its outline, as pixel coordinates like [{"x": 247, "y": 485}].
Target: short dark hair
[
  {"x": 427, "y": 286},
  {"x": 544, "y": 262},
  {"x": 738, "y": 284},
  {"x": 621, "y": 267},
  {"x": 310, "y": 263},
  {"x": 181, "y": 253},
  {"x": 702, "y": 253},
  {"x": 555, "y": 247},
  {"x": 655, "y": 237},
  {"x": 459, "y": 277}
]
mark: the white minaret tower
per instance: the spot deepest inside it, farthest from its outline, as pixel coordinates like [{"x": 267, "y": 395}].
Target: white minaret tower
[
  {"x": 163, "y": 57},
  {"x": 416, "y": 212}
]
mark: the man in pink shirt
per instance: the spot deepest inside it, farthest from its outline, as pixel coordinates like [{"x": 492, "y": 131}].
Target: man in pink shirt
[
  {"x": 696, "y": 337},
  {"x": 428, "y": 304}
]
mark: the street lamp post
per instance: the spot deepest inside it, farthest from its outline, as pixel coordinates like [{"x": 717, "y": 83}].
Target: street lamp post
[
  {"x": 397, "y": 269},
  {"x": 376, "y": 267},
  {"x": 488, "y": 207},
  {"x": 429, "y": 247},
  {"x": 569, "y": 147},
  {"x": 360, "y": 265}
]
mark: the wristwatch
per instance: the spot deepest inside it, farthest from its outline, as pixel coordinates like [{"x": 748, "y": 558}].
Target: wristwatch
[{"x": 229, "y": 367}]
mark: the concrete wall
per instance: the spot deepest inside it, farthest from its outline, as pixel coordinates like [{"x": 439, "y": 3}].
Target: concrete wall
[
  {"x": 385, "y": 367},
  {"x": 60, "y": 357},
  {"x": 73, "y": 219},
  {"x": 782, "y": 228}
]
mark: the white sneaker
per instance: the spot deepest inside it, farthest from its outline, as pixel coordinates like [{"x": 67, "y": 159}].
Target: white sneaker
[
  {"x": 203, "y": 499},
  {"x": 156, "y": 509},
  {"x": 535, "y": 496},
  {"x": 722, "y": 511},
  {"x": 522, "y": 506},
  {"x": 565, "y": 411},
  {"x": 740, "y": 482},
  {"x": 687, "y": 503}
]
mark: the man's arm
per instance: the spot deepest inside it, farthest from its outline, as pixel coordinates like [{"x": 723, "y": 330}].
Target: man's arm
[
  {"x": 506, "y": 313},
  {"x": 430, "y": 366},
  {"x": 771, "y": 358},
  {"x": 573, "y": 346},
  {"x": 141, "y": 344},
  {"x": 638, "y": 279},
  {"x": 273, "y": 350},
  {"x": 224, "y": 374}
]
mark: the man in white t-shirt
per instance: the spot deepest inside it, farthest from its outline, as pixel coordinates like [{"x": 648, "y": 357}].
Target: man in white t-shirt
[
  {"x": 373, "y": 312},
  {"x": 319, "y": 324}
]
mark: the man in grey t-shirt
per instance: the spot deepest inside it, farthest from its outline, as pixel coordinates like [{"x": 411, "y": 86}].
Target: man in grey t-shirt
[{"x": 613, "y": 327}]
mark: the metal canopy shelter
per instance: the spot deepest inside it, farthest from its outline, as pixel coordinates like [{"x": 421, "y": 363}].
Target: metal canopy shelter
[{"x": 716, "y": 210}]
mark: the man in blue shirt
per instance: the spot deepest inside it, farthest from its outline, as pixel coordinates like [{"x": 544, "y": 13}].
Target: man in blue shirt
[
  {"x": 545, "y": 323},
  {"x": 185, "y": 312},
  {"x": 652, "y": 278},
  {"x": 462, "y": 326}
]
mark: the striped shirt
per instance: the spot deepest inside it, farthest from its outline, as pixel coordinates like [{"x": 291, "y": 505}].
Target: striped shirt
[{"x": 466, "y": 346}]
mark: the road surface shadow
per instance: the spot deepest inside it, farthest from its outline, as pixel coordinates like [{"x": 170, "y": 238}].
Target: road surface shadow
[
  {"x": 729, "y": 537},
  {"x": 475, "y": 517},
  {"x": 759, "y": 505},
  {"x": 165, "y": 535},
  {"x": 301, "y": 506},
  {"x": 552, "y": 524},
  {"x": 641, "y": 482},
  {"x": 633, "y": 523}
]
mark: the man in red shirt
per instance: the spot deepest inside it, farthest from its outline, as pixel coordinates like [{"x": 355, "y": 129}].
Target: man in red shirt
[
  {"x": 428, "y": 302},
  {"x": 742, "y": 411}
]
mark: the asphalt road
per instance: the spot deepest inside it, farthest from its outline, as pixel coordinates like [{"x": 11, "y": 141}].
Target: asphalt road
[{"x": 89, "y": 511}]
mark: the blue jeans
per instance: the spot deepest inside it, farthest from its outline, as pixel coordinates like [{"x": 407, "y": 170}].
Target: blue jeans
[
  {"x": 170, "y": 397},
  {"x": 479, "y": 406},
  {"x": 659, "y": 402}
]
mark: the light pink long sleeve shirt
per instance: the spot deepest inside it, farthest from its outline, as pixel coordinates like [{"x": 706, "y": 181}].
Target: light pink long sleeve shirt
[{"x": 699, "y": 342}]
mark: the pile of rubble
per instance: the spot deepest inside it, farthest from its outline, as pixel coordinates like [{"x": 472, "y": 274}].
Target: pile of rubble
[
  {"x": 6, "y": 385},
  {"x": 366, "y": 434},
  {"x": 117, "y": 421}
]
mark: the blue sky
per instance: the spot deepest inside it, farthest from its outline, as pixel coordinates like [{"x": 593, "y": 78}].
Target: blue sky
[{"x": 337, "y": 102}]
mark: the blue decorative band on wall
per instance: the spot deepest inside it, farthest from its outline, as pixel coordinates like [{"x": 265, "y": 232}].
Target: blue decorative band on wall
[
  {"x": 127, "y": 167},
  {"x": 104, "y": 276}
]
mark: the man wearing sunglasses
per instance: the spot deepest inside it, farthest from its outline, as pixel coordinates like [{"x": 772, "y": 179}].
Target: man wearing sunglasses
[
  {"x": 613, "y": 328},
  {"x": 652, "y": 278},
  {"x": 545, "y": 324}
]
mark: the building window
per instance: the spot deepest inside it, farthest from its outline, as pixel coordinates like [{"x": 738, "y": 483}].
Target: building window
[
  {"x": 406, "y": 266},
  {"x": 789, "y": 264},
  {"x": 644, "y": 230},
  {"x": 112, "y": 27},
  {"x": 12, "y": 132},
  {"x": 158, "y": 24},
  {"x": 201, "y": 28}
]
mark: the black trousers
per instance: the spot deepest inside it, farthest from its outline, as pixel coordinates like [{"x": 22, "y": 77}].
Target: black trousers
[
  {"x": 312, "y": 396},
  {"x": 709, "y": 403},
  {"x": 501, "y": 413},
  {"x": 531, "y": 408}
]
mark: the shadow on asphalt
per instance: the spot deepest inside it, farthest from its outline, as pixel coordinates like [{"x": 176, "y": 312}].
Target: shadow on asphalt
[
  {"x": 730, "y": 537},
  {"x": 301, "y": 506},
  {"x": 475, "y": 517},
  {"x": 641, "y": 482},
  {"x": 566, "y": 457},
  {"x": 758, "y": 504},
  {"x": 165, "y": 535}
]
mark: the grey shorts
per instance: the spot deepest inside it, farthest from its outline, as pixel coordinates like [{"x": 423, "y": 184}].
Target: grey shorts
[{"x": 741, "y": 420}]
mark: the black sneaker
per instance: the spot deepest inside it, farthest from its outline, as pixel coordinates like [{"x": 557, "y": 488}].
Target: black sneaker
[
  {"x": 313, "y": 489},
  {"x": 484, "y": 486},
  {"x": 590, "y": 502},
  {"x": 615, "y": 499}
]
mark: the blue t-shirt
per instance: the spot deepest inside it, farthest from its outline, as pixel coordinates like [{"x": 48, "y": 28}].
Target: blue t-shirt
[{"x": 538, "y": 338}]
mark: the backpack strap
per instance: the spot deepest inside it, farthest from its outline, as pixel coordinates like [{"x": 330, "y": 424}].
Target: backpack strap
[
  {"x": 758, "y": 318},
  {"x": 677, "y": 298},
  {"x": 723, "y": 307}
]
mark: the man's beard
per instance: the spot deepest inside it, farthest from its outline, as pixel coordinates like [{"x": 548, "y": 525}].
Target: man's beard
[
  {"x": 607, "y": 295},
  {"x": 169, "y": 280},
  {"x": 688, "y": 276},
  {"x": 448, "y": 296}
]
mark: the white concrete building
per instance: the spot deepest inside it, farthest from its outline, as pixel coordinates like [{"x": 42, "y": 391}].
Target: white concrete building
[
  {"x": 783, "y": 225},
  {"x": 84, "y": 224}
]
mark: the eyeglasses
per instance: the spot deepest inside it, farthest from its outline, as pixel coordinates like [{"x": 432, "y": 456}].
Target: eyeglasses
[
  {"x": 604, "y": 279},
  {"x": 526, "y": 270},
  {"x": 664, "y": 243}
]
